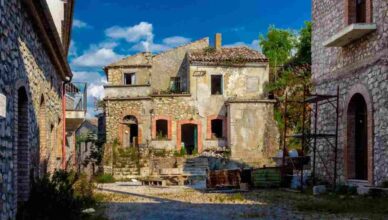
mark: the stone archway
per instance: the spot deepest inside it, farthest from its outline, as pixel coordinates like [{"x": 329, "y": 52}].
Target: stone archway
[
  {"x": 130, "y": 131},
  {"x": 358, "y": 135}
]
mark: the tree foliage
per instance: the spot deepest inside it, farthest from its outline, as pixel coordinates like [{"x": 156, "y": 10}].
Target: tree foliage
[{"x": 290, "y": 61}]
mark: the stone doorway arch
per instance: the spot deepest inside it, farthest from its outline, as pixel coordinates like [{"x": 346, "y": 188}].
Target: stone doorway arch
[{"x": 358, "y": 135}]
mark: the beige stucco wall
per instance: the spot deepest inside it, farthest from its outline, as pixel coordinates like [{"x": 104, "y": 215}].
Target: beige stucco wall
[{"x": 253, "y": 135}]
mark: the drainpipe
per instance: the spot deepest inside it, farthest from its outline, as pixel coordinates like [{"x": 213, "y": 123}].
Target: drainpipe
[{"x": 67, "y": 80}]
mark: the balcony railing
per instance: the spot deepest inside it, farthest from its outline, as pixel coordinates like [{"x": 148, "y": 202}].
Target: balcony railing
[{"x": 76, "y": 96}]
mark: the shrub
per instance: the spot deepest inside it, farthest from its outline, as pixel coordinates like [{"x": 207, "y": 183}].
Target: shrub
[
  {"x": 54, "y": 198},
  {"x": 105, "y": 178}
]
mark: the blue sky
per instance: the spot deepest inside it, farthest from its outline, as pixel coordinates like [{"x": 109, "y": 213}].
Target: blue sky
[{"x": 105, "y": 31}]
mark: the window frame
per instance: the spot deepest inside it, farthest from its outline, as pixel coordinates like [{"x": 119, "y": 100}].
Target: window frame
[
  {"x": 221, "y": 91},
  {"x": 132, "y": 78}
]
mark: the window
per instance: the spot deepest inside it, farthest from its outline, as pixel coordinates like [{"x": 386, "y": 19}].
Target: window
[
  {"x": 161, "y": 129},
  {"x": 216, "y": 84},
  {"x": 360, "y": 11},
  {"x": 129, "y": 78},
  {"x": 216, "y": 128},
  {"x": 175, "y": 84}
]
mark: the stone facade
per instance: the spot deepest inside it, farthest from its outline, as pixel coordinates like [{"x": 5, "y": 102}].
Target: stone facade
[
  {"x": 31, "y": 78},
  {"x": 359, "y": 68},
  {"x": 152, "y": 100}
]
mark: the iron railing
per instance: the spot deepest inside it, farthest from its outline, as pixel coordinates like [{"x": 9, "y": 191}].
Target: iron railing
[{"x": 76, "y": 96}]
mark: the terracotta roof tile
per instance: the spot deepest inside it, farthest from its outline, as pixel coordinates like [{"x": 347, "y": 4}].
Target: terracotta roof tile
[{"x": 234, "y": 55}]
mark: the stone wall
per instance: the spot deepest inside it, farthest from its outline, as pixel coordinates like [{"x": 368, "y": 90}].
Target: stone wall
[
  {"x": 24, "y": 63},
  {"x": 173, "y": 63},
  {"x": 358, "y": 68}
]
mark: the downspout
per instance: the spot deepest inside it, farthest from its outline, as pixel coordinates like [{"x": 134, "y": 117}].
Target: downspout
[{"x": 67, "y": 80}]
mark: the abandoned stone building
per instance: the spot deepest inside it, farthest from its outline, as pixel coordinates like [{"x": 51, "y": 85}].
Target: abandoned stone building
[
  {"x": 350, "y": 51},
  {"x": 195, "y": 97},
  {"x": 34, "y": 40},
  {"x": 86, "y": 136}
]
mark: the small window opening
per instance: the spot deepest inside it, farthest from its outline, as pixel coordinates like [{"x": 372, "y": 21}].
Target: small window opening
[
  {"x": 161, "y": 129},
  {"x": 216, "y": 84},
  {"x": 175, "y": 84},
  {"x": 360, "y": 11},
  {"x": 217, "y": 127},
  {"x": 129, "y": 78}
]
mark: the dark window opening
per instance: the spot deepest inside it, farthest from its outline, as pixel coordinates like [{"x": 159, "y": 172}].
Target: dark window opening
[
  {"x": 161, "y": 129},
  {"x": 216, "y": 84},
  {"x": 360, "y": 11},
  {"x": 217, "y": 127},
  {"x": 129, "y": 78},
  {"x": 175, "y": 84}
]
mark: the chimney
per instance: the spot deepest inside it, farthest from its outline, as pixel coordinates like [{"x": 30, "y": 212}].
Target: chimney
[{"x": 218, "y": 41}]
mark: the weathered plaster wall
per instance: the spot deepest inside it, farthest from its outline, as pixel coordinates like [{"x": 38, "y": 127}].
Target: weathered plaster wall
[
  {"x": 238, "y": 83},
  {"x": 24, "y": 63},
  {"x": 253, "y": 136},
  {"x": 361, "y": 64}
]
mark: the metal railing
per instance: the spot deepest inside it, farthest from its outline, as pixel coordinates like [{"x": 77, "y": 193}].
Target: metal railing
[{"x": 76, "y": 96}]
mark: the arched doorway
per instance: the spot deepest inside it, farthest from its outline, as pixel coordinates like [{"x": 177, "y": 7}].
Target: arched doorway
[
  {"x": 357, "y": 138},
  {"x": 22, "y": 146},
  {"x": 130, "y": 131},
  {"x": 42, "y": 137}
]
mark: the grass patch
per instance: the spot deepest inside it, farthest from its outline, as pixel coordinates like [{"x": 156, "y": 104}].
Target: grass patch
[
  {"x": 105, "y": 178},
  {"x": 342, "y": 205}
]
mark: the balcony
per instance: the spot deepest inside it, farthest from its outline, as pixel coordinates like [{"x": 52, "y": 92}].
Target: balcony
[
  {"x": 127, "y": 91},
  {"x": 76, "y": 105},
  {"x": 350, "y": 34}
]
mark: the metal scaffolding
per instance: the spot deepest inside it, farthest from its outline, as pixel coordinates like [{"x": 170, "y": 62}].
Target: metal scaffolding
[{"x": 310, "y": 137}]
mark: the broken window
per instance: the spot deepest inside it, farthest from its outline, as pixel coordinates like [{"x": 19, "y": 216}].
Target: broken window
[
  {"x": 360, "y": 11},
  {"x": 129, "y": 78},
  {"x": 216, "y": 84},
  {"x": 161, "y": 129},
  {"x": 175, "y": 84},
  {"x": 216, "y": 128}
]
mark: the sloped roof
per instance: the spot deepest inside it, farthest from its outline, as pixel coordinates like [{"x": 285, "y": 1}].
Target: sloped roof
[
  {"x": 139, "y": 59},
  {"x": 232, "y": 55}
]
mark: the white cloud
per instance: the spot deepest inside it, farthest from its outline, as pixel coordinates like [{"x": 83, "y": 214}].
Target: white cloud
[
  {"x": 176, "y": 41},
  {"x": 97, "y": 56},
  {"x": 167, "y": 43},
  {"x": 79, "y": 24},
  {"x": 142, "y": 36},
  {"x": 254, "y": 45},
  {"x": 95, "y": 91},
  {"x": 132, "y": 34}
]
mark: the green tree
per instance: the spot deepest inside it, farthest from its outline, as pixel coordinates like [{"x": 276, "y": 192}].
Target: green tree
[
  {"x": 277, "y": 45},
  {"x": 293, "y": 75}
]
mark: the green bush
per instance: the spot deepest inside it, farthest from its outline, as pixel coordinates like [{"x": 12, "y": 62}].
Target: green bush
[
  {"x": 63, "y": 196},
  {"x": 105, "y": 178}
]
